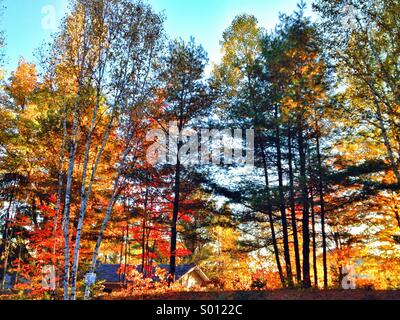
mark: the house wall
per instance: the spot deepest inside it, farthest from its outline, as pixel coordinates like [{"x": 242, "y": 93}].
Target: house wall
[{"x": 191, "y": 280}]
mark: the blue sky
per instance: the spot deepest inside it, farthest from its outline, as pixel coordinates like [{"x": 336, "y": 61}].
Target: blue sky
[{"x": 205, "y": 20}]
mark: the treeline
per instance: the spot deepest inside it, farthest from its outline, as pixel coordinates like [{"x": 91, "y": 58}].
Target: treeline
[{"x": 322, "y": 98}]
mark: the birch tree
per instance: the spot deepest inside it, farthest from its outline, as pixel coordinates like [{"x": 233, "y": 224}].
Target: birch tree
[{"x": 138, "y": 41}]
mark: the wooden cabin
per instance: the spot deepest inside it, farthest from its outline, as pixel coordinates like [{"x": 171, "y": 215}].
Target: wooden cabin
[
  {"x": 189, "y": 276},
  {"x": 194, "y": 277}
]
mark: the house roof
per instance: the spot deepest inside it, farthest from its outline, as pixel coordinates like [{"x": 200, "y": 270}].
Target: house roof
[
  {"x": 200, "y": 272},
  {"x": 109, "y": 272},
  {"x": 9, "y": 280},
  {"x": 180, "y": 270}
]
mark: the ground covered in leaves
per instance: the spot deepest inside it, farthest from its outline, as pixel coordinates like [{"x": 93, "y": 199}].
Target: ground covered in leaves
[{"x": 272, "y": 295}]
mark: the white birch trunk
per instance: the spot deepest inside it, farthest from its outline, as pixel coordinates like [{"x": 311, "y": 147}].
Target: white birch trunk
[
  {"x": 67, "y": 206},
  {"x": 108, "y": 213}
]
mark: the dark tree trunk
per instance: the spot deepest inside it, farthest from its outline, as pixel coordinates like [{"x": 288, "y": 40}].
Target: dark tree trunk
[
  {"x": 314, "y": 240},
  {"x": 172, "y": 263},
  {"x": 143, "y": 247},
  {"x": 271, "y": 221},
  {"x": 282, "y": 207},
  {"x": 126, "y": 254},
  {"x": 293, "y": 207},
  {"x": 397, "y": 215},
  {"x": 306, "y": 210},
  {"x": 144, "y": 232},
  {"x": 322, "y": 206},
  {"x": 148, "y": 257}
]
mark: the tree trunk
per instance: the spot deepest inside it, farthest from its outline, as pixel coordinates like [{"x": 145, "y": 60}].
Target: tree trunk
[
  {"x": 60, "y": 183},
  {"x": 4, "y": 242},
  {"x": 5, "y": 262},
  {"x": 85, "y": 194},
  {"x": 386, "y": 141},
  {"x": 293, "y": 207},
  {"x": 143, "y": 247},
  {"x": 19, "y": 263},
  {"x": 314, "y": 240},
  {"x": 397, "y": 215},
  {"x": 121, "y": 253},
  {"x": 5, "y": 266},
  {"x": 172, "y": 262},
  {"x": 271, "y": 220},
  {"x": 306, "y": 213},
  {"x": 67, "y": 203},
  {"x": 282, "y": 207},
  {"x": 322, "y": 207},
  {"x": 126, "y": 254},
  {"x": 110, "y": 206},
  {"x": 144, "y": 233}
]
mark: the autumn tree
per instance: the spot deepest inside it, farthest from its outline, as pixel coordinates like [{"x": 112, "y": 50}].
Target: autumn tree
[
  {"x": 135, "y": 57},
  {"x": 102, "y": 50},
  {"x": 186, "y": 99},
  {"x": 361, "y": 46},
  {"x": 240, "y": 83},
  {"x": 361, "y": 43}
]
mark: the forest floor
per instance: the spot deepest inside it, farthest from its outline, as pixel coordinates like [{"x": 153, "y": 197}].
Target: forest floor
[
  {"x": 273, "y": 295},
  {"x": 283, "y": 294}
]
